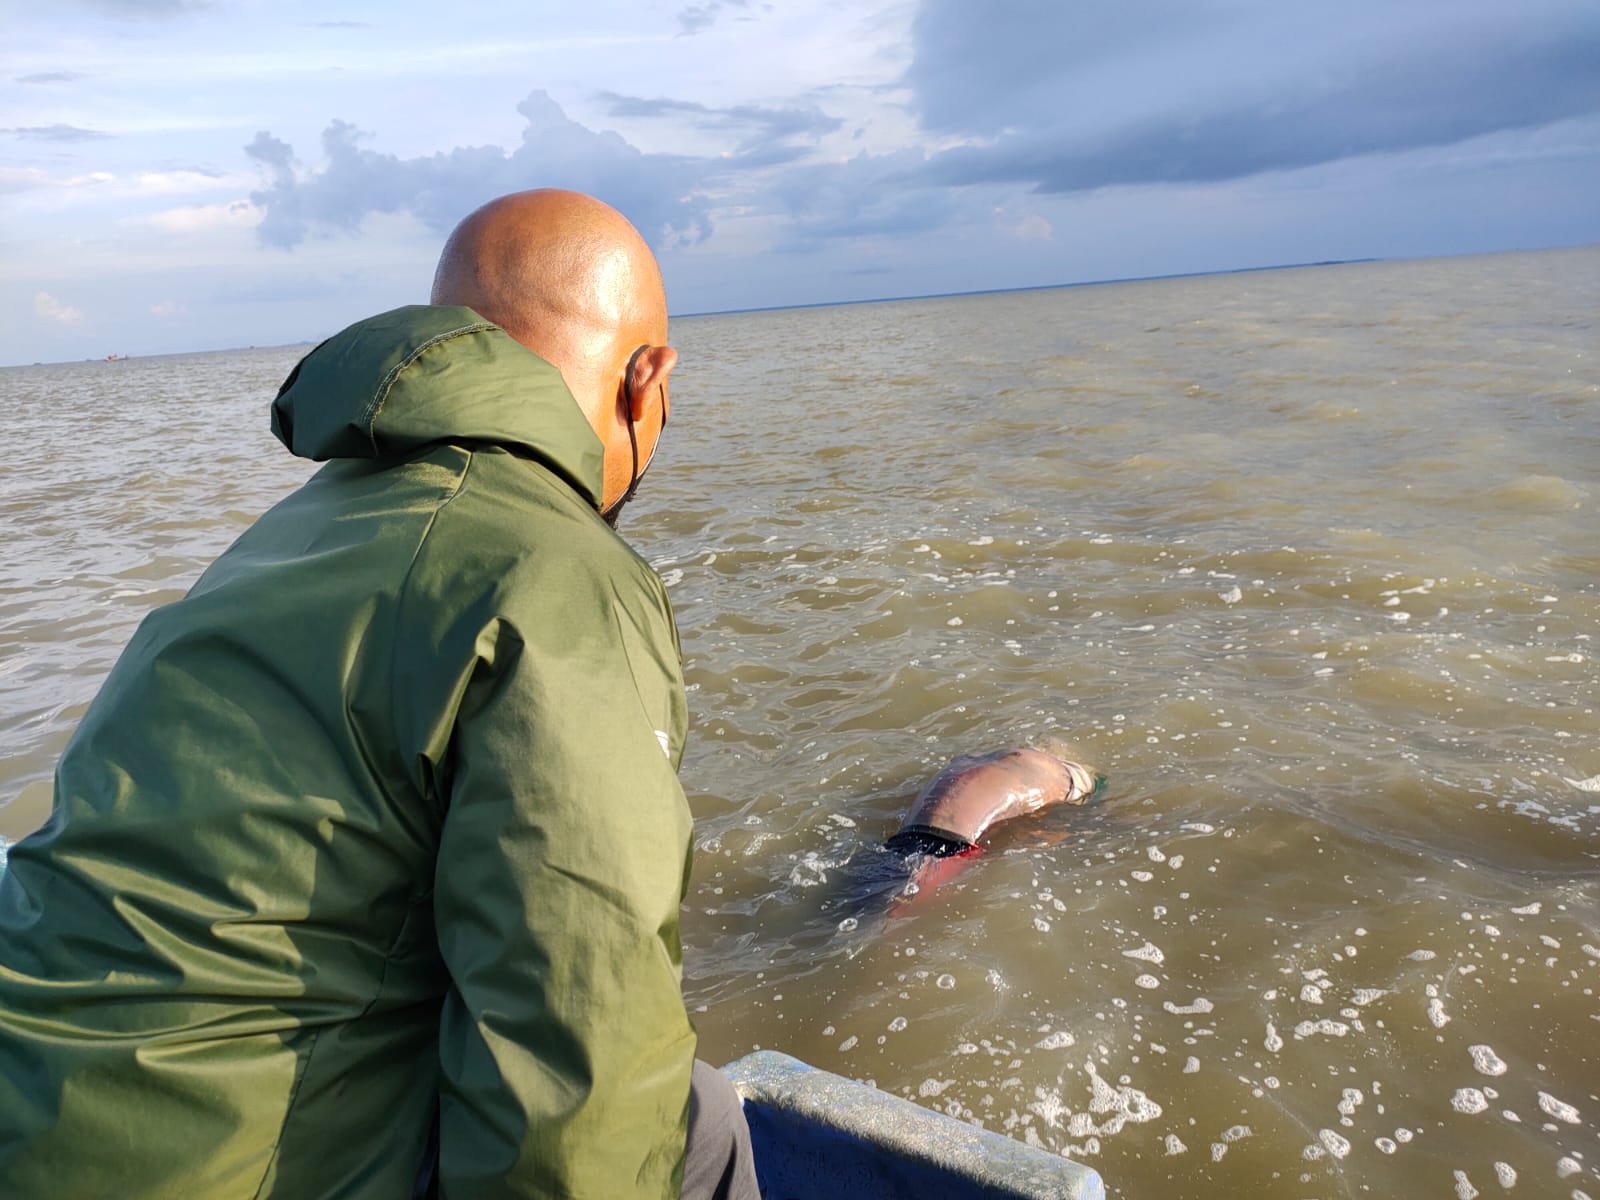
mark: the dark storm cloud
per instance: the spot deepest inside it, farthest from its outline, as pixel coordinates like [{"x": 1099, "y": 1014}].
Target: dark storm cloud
[
  {"x": 52, "y": 77},
  {"x": 55, "y": 133},
  {"x": 770, "y": 131},
  {"x": 1262, "y": 90},
  {"x": 982, "y": 68},
  {"x": 870, "y": 195},
  {"x": 657, "y": 192}
]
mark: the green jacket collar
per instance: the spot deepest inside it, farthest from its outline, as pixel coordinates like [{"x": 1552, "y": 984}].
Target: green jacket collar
[{"x": 389, "y": 385}]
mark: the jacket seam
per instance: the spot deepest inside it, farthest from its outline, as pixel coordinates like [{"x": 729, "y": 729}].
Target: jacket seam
[
  {"x": 380, "y": 397},
  {"x": 404, "y": 597},
  {"x": 288, "y": 1109}
]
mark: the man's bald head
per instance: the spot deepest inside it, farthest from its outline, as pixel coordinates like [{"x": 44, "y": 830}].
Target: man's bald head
[
  {"x": 570, "y": 279},
  {"x": 559, "y": 271}
]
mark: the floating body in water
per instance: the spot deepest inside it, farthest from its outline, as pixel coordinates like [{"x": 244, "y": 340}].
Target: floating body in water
[
  {"x": 945, "y": 827},
  {"x": 943, "y": 833}
]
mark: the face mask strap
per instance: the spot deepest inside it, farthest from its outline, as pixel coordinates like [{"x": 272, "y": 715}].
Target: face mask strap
[{"x": 635, "y": 474}]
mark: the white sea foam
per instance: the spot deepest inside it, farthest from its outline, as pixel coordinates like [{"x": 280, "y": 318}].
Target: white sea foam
[
  {"x": 1559, "y": 1109},
  {"x": 1149, "y": 952},
  {"x": 1049, "y": 1105},
  {"x": 1123, "y": 1102},
  {"x": 1333, "y": 1143},
  {"x": 1331, "y": 1028},
  {"x": 1469, "y": 1100},
  {"x": 1437, "y": 1016},
  {"x": 1486, "y": 1060},
  {"x": 1350, "y": 1099}
]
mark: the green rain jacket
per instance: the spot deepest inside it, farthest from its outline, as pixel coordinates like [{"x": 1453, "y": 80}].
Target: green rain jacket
[{"x": 383, "y": 814}]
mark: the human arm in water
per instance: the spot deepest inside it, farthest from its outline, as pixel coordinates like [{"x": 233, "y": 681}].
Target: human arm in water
[{"x": 978, "y": 790}]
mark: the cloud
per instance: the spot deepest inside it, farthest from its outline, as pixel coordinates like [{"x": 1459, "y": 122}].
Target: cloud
[
  {"x": 771, "y": 130},
  {"x": 177, "y": 168},
  {"x": 870, "y": 195},
  {"x": 195, "y": 218},
  {"x": 668, "y": 196},
  {"x": 21, "y": 179},
  {"x": 167, "y": 309},
  {"x": 51, "y": 309},
  {"x": 141, "y": 10},
  {"x": 659, "y": 193},
  {"x": 27, "y": 179},
  {"x": 274, "y": 153},
  {"x": 52, "y": 77},
  {"x": 55, "y": 133},
  {"x": 1030, "y": 227},
  {"x": 1207, "y": 91},
  {"x": 697, "y": 18},
  {"x": 343, "y": 25}
]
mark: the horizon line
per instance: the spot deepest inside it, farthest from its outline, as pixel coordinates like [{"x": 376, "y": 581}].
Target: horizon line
[
  {"x": 1048, "y": 287},
  {"x": 995, "y": 291}
]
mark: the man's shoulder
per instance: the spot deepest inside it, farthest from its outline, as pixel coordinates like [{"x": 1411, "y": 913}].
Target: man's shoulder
[{"x": 515, "y": 519}]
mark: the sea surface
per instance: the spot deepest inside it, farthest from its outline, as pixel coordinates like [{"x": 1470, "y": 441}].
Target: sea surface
[{"x": 1307, "y": 562}]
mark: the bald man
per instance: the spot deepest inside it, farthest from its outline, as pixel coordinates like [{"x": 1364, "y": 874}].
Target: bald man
[{"x": 374, "y": 841}]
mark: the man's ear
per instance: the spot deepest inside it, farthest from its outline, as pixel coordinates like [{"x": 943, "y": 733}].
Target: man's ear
[{"x": 648, "y": 384}]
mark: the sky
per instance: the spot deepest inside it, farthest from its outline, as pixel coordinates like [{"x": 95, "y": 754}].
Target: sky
[{"x": 184, "y": 175}]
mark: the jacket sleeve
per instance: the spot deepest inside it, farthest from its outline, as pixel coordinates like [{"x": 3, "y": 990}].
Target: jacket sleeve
[{"x": 565, "y": 1051}]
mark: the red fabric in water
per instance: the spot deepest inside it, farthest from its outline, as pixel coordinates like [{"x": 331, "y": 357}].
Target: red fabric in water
[{"x": 931, "y": 872}]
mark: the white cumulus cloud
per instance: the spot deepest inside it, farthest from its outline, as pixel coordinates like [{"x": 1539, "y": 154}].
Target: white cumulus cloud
[
  {"x": 194, "y": 218},
  {"x": 51, "y": 309}
]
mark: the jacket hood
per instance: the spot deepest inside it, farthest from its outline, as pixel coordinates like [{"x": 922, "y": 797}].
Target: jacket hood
[{"x": 389, "y": 385}]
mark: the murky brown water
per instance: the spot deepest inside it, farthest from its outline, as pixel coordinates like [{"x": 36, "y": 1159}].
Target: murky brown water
[{"x": 1307, "y": 562}]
